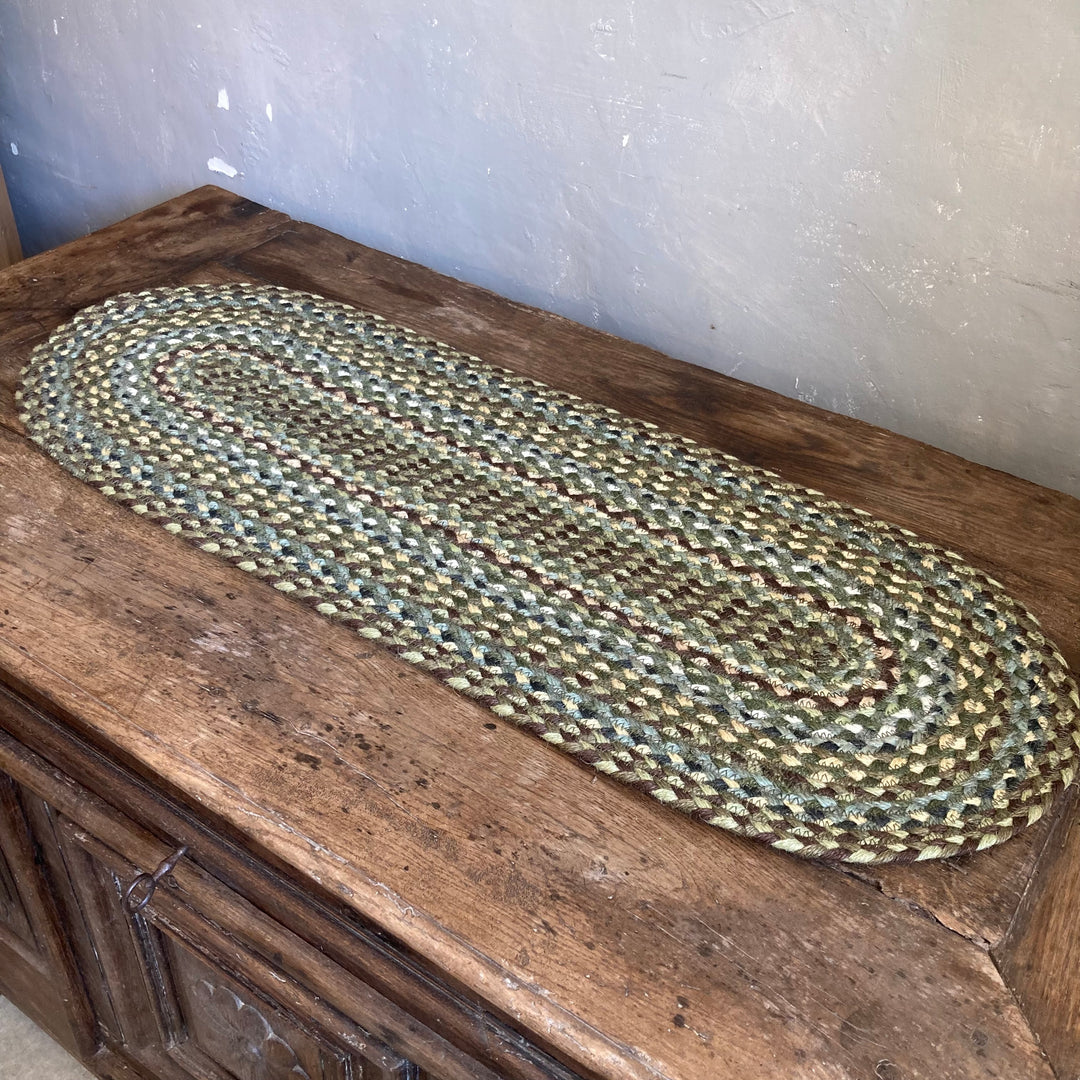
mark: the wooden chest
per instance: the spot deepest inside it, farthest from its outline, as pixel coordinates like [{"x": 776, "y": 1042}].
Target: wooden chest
[{"x": 236, "y": 840}]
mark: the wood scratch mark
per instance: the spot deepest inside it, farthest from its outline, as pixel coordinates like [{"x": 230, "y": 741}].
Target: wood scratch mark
[
  {"x": 285, "y": 827},
  {"x": 316, "y": 737},
  {"x": 657, "y": 926}
]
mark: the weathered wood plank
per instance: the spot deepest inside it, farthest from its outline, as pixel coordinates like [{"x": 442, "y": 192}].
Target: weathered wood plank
[
  {"x": 636, "y": 941},
  {"x": 1041, "y": 955},
  {"x": 136, "y": 252},
  {"x": 10, "y": 248},
  {"x": 215, "y": 273}
]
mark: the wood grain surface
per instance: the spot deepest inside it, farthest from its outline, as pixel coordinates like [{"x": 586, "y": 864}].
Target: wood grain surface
[
  {"x": 638, "y": 943},
  {"x": 10, "y": 249}
]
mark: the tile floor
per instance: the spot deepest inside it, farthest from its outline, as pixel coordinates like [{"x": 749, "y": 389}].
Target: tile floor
[{"x": 27, "y": 1053}]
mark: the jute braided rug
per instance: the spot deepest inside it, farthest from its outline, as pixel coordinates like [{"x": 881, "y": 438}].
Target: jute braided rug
[{"x": 745, "y": 651}]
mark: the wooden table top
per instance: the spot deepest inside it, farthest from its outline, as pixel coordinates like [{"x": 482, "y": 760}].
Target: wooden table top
[{"x": 623, "y": 937}]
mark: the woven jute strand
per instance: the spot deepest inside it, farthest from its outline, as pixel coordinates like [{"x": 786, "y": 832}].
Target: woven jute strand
[{"x": 748, "y": 652}]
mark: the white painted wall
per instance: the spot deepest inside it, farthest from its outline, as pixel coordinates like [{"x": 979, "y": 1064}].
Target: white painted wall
[{"x": 870, "y": 204}]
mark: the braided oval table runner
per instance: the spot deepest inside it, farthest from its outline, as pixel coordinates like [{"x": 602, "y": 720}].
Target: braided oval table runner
[{"x": 746, "y": 651}]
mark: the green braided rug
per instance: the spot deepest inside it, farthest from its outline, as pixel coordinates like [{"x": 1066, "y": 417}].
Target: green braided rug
[{"x": 743, "y": 650}]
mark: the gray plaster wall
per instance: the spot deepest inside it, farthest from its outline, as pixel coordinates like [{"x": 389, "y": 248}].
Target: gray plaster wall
[{"x": 873, "y": 205}]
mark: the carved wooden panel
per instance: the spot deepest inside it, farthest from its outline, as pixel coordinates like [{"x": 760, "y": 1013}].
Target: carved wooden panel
[
  {"x": 36, "y": 969},
  {"x": 242, "y": 1034},
  {"x": 192, "y": 1000},
  {"x": 14, "y": 921}
]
